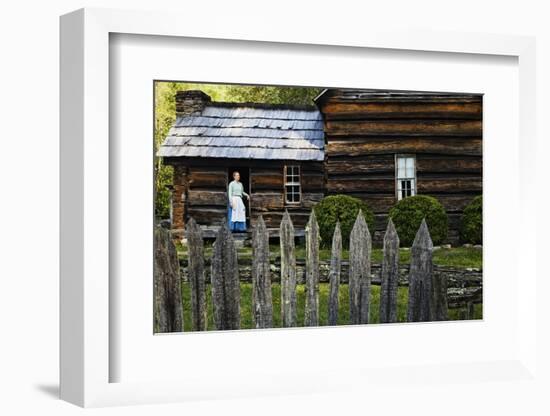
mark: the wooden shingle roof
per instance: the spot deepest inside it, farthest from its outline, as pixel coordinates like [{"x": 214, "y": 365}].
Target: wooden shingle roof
[{"x": 248, "y": 131}]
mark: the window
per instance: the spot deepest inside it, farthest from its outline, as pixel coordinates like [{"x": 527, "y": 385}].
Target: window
[
  {"x": 405, "y": 176},
  {"x": 292, "y": 184}
]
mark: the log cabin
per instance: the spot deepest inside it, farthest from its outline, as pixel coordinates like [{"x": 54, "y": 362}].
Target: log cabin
[
  {"x": 277, "y": 149},
  {"x": 382, "y": 146},
  {"x": 379, "y": 146}
]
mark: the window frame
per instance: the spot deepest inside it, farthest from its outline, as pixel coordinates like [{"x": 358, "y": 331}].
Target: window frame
[
  {"x": 286, "y": 184},
  {"x": 398, "y": 178}
]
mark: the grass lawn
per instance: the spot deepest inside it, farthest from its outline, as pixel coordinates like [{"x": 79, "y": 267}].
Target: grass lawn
[
  {"x": 343, "y": 316},
  {"x": 463, "y": 257}
]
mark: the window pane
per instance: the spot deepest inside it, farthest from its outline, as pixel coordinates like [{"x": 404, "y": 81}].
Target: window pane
[
  {"x": 400, "y": 166},
  {"x": 410, "y": 167},
  {"x": 292, "y": 183}
]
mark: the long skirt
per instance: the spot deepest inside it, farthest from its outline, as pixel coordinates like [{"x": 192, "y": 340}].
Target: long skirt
[{"x": 238, "y": 227}]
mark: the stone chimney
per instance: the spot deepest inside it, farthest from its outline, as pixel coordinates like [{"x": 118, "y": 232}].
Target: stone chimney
[{"x": 191, "y": 102}]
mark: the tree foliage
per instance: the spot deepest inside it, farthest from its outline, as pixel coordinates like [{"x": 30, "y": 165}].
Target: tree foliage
[
  {"x": 471, "y": 230},
  {"x": 165, "y": 115},
  {"x": 341, "y": 208},
  {"x": 408, "y": 213}
]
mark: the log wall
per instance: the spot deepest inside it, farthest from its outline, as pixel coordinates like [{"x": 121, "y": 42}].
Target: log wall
[
  {"x": 364, "y": 133},
  {"x": 204, "y": 190}
]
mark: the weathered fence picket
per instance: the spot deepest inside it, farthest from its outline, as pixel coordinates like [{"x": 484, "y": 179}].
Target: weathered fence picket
[
  {"x": 196, "y": 275},
  {"x": 261, "y": 277},
  {"x": 359, "y": 271},
  {"x": 440, "y": 304},
  {"x": 311, "y": 313},
  {"x": 288, "y": 272},
  {"x": 226, "y": 289},
  {"x": 420, "y": 307},
  {"x": 334, "y": 275},
  {"x": 390, "y": 275},
  {"x": 427, "y": 298},
  {"x": 167, "y": 284}
]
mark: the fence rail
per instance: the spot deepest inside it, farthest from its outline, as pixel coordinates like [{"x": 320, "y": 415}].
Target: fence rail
[{"x": 428, "y": 294}]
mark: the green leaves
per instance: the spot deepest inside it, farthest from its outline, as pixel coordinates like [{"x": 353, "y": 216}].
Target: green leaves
[
  {"x": 472, "y": 222},
  {"x": 408, "y": 214},
  {"x": 341, "y": 208}
]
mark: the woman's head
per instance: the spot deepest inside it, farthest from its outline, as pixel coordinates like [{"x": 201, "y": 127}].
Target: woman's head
[{"x": 236, "y": 175}]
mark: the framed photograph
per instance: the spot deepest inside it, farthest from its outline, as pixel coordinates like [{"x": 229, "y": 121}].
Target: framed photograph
[
  {"x": 237, "y": 210},
  {"x": 280, "y": 206}
]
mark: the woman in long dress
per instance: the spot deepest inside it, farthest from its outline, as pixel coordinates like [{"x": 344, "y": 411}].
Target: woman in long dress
[{"x": 236, "y": 213}]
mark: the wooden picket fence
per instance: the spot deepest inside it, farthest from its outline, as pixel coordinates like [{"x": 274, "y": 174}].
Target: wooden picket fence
[{"x": 427, "y": 295}]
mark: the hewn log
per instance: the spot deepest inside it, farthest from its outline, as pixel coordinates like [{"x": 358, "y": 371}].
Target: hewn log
[
  {"x": 361, "y": 165},
  {"x": 204, "y": 197},
  {"x": 334, "y": 275},
  {"x": 311, "y": 313},
  {"x": 363, "y": 96},
  {"x": 167, "y": 283},
  {"x": 420, "y": 307},
  {"x": 389, "y": 275},
  {"x": 288, "y": 272},
  {"x": 469, "y": 128},
  {"x": 267, "y": 170},
  {"x": 198, "y": 167},
  {"x": 450, "y": 146},
  {"x": 449, "y": 184},
  {"x": 313, "y": 182},
  {"x": 439, "y": 164},
  {"x": 360, "y": 184},
  {"x": 196, "y": 275},
  {"x": 339, "y": 110},
  {"x": 208, "y": 180},
  {"x": 310, "y": 199},
  {"x": 267, "y": 181},
  {"x": 263, "y": 202},
  {"x": 261, "y": 277},
  {"x": 226, "y": 289},
  {"x": 207, "y": 215},
  {"x": 359, "y": 271},
  {"x": 299, "y": 218}
]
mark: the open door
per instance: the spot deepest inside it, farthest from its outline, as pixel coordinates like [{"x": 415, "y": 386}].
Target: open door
[{"x": 245, "y": 180}]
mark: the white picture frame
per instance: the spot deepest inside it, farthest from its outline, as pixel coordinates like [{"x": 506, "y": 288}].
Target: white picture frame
[{"x": 86, "y": 262}]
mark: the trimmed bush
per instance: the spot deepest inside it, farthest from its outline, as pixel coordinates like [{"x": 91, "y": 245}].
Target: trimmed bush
[
  {"x": 408, "y": 213},
  {"x": 341, "y": 208},
  {"x": 471, "y": 230}
]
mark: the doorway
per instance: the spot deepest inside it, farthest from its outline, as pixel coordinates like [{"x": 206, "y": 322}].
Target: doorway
[{"x": 245, "y": 180}]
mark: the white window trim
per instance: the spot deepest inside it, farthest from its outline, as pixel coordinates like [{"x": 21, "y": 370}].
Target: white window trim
[
  {"x": 397, "y": 178},
  {"x": 298, "y": 184}
]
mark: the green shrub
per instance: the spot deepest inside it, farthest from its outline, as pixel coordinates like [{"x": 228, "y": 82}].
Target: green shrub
[
  {"x": 408, "y": 213},
  {"x": 471, "y": 230},
  {"x": 341, "y": 208}
]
